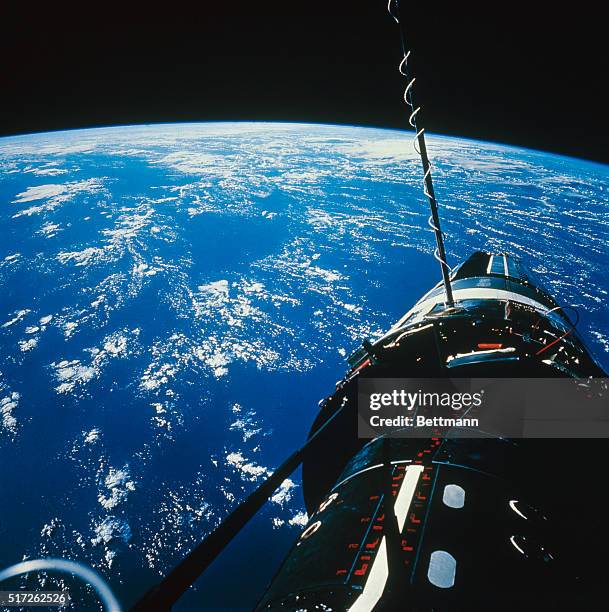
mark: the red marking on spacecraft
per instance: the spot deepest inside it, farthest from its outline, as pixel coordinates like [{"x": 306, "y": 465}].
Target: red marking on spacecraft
[
  {"x": 373, "y": 545},
  {"x": 404, "y": 544},
  {"x": 361, "y": 367},
  {"x": 362, "y": 570}
]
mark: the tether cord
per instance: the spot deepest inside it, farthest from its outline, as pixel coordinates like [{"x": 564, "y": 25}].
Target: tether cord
[
  {"x": 164, "y": 595},
  {"x": 421, "y": 148}
]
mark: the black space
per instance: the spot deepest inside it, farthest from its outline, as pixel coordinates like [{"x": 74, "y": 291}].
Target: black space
[{"x": 502, "y": 74}]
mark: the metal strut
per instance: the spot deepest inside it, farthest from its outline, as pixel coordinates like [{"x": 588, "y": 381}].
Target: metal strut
[{"x": 420, "y": 147}]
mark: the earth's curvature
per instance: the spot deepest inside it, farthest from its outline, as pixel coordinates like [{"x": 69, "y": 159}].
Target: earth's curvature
[{"x": 175, "y": 300}]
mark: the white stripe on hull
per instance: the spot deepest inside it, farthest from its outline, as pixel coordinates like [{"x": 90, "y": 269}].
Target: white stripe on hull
[
  {"x": 377, "y": 579},
  {"x": 490, "y": 264}
]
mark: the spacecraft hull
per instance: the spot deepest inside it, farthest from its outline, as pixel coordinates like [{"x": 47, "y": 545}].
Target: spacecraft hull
[{"x": 447, "y": 521}]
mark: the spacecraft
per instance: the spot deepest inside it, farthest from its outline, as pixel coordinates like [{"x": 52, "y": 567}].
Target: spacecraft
[{"x": 438, "y": 523}]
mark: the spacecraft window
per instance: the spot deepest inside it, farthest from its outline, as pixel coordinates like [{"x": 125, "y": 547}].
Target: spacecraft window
[
  {"x": 454, "y": 496},
  {"x": 442, "y": 569}
]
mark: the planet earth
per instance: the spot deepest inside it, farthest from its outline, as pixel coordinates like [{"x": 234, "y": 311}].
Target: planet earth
[{"x": 176, "y": 299}]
